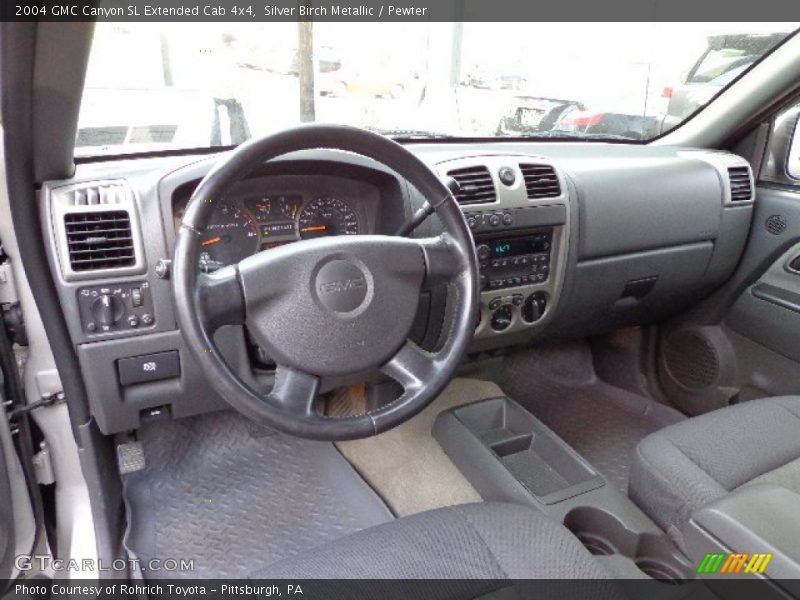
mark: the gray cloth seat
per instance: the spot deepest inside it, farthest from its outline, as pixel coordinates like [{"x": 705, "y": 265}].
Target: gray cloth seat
[
  {"x": 683, "y": 467},
  {"x": 489, "y": 541}
]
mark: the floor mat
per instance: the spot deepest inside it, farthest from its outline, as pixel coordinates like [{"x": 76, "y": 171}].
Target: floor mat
[
  {"x": 235, "y": 497},
  {"x": 601, "y": 422},
  {"x": 406, "y": 465}
]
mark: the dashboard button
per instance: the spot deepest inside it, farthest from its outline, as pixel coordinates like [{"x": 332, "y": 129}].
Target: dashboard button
[
  {"x": 508, "y": 219},
  {"x": 495, "y": 220},
  {"x": 507, "y": 176},
  {"x": 149, "y": 367}
]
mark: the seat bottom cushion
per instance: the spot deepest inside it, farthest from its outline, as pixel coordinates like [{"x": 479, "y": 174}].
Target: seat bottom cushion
[{"x": 491, "y": 541}]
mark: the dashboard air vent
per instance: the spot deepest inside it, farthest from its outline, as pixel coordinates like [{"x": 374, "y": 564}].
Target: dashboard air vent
[
  {"x": 99, "y": 240},
  {"x": 541, "y": 181},
  {"x": 739, "y": 177},
  {"x": 475, "y": 185},
  {"x": 100, "y": 194}
]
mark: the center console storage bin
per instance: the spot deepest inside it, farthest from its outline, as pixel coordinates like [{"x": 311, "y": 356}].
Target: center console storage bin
[{"x": 509, "y": 455}]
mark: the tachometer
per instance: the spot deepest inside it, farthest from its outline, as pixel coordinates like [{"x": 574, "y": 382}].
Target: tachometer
[
  {"x": 231, "y": 235},
  {"x": 327, "y": 216}
]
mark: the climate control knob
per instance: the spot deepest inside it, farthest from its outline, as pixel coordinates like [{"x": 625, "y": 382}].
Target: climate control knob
[
  {"x": 502, "y": 317},
  {"x": 534, "y": 307},
  {"x": 107, "y": 310}
]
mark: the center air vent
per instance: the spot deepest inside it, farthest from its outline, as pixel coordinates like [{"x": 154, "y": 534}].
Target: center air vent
[
  {"x": 541, "y": 181},
  {"x": 741, "y": 190},
  {"x": 99, "y": 240},
  {"x": 475, "y": 185}
]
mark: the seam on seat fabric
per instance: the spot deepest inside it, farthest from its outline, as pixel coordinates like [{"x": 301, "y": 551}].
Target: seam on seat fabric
[
  {"x": 462, "y": 513},
  {"x": 786, "y": 408}
]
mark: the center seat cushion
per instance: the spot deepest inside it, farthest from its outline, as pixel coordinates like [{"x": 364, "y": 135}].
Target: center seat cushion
[{"x": 683, "y": 467}]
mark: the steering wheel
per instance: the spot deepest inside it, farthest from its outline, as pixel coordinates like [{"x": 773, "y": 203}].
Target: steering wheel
[{"x": 327, "y": 306}]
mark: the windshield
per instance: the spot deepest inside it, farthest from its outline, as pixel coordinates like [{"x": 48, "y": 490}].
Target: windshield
[{"x": 162, "y": 86}]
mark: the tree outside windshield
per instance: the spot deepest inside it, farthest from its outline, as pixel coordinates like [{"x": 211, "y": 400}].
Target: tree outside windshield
[{"x": 165, "y": 86}]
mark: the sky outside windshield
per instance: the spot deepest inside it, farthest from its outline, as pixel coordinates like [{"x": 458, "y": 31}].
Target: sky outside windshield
[{"x": 160, "y": 86}]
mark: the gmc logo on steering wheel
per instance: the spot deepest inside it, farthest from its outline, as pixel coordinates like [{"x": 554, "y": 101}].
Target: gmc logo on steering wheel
[{"x": 342, "y": 286}]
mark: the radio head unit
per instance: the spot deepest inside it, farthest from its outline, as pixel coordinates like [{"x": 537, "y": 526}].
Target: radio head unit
[{"x": 510, "y": 261}]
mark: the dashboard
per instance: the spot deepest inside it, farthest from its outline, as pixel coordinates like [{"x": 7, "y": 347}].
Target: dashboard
[{"x": 572, "y": 240}]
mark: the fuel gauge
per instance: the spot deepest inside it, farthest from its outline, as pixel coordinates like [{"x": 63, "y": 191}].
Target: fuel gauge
[{"x": 260, "y": 207}]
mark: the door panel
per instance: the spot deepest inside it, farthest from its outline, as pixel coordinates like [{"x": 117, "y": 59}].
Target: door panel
[
  {"x": 768, "y": 311},
  {"x": 742, "y": 342}
]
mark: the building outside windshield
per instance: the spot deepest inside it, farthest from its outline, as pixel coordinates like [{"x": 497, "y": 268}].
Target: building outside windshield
[{"x": 157, "y": 86}]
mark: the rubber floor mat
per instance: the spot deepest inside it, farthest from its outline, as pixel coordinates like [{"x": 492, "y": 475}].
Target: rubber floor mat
[
  {"x": 234, "y": 497},
  {"x": 601, "y": 422}
]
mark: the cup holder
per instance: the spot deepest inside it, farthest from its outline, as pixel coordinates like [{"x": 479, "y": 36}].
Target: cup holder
[{"x": 602, "y": 534}]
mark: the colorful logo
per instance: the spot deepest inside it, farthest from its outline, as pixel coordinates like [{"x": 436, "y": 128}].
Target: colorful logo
[{"x": 732, "y": 564}]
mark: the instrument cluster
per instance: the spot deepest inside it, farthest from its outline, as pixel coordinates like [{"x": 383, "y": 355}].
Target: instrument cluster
[{"x": 244, "y": 225}]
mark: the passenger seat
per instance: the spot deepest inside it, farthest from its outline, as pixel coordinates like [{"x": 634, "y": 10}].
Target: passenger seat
[{"x": 689, "y": 465}]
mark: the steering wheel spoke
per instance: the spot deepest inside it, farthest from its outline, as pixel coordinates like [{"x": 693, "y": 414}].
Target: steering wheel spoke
[
  {"x": 444, "y": 260},
  {"x": 219, "y": 298},
  {"x": 294, "y": 392},
  {"x": 411, "y": 367}
]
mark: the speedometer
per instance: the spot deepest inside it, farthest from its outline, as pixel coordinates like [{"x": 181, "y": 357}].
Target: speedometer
[
  {"x": 230, "y": 236},
  {"x": 327, "y": 216}
]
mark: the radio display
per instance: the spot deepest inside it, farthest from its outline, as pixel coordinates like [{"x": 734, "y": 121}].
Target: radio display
[{"x": 517, "y": 246}]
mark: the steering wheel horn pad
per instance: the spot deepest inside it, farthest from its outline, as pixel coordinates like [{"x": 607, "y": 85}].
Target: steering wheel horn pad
[
  {"x": 316, "y": 307},
  {"x": 328, "y": 306}
]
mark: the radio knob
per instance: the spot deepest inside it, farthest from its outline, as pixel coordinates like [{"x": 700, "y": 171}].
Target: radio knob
[
  {"x": 483, "y": 251},
  {"x": 107, "y": 310}
]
